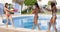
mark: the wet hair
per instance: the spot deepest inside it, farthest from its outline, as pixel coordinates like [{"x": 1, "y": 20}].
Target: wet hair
[
  {"x": 54, "y": 10},
  {"x": 36, "y": 4},
  {"x": 6, "y": 4}
]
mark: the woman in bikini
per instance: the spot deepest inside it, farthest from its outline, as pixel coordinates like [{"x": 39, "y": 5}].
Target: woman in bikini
[
  {"x": 8, "y": 15},
  {"x": 36, "y": 16},
  {"x": 54, "y": 17}
]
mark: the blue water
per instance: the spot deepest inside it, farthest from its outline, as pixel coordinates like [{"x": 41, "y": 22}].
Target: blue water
[{"x": 27, "y": 22}]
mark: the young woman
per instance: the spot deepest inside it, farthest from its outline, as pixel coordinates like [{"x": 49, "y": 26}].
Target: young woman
[
  {"x": 54, "y": 17},
  {"x": 53, "y": 23},
  {"x": 8, "y": 15},
  {"x": 36, "y": 10}
]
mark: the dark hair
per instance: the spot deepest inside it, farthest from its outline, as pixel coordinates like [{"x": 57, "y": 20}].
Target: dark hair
[
  {"x": 36, "y": 4},
  {"x": 6, "y": 4}
]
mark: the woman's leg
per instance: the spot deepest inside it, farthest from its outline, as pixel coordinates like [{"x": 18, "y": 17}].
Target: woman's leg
[
  {"x": 33, "y": 26},
  {"x": 38, "y": 26},
  {"x": 35, "y": 23},
  {"x": 49, "y": 27},
  {"x": 10, "y": 17},
  {"x": 55, "y": 27},
  {"x": 7, "y": 21}
]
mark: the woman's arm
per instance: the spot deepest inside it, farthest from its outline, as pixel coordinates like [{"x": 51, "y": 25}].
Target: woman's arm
[
  {"x": 12, "y": 10},
  {"x": 6, "y": 9},
  {"x": 33, "y": 11}
]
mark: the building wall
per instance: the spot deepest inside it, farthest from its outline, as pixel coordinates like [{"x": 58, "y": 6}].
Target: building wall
[{"x": 4, "y": 1}]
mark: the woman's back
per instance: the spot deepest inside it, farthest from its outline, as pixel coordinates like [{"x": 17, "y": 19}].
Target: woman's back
[{"x": 6, "y": 10}]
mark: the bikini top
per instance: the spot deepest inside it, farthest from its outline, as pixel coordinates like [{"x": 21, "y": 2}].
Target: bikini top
[{"x": 6, "y": 10}]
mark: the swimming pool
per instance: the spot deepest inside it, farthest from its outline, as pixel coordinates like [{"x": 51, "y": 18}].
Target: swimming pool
[{"x": 27, "y": 21}]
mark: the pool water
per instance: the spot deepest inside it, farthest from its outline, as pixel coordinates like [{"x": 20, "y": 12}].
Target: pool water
[{"x": 27, "y": 22}]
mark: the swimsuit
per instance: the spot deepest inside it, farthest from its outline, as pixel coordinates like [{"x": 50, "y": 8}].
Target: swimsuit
[
  {"x": 8, "y": 15},
  {"x": 53, "y": 19},
  {"x": 36, "y": 19},
  {"x": 7, "y": 12},
  {"x": 54, "y": 14}
]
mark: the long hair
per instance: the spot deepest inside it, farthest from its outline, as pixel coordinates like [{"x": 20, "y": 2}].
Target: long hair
[
  {"x": 6, "y": 7},
  {"x": 36, "y": 4},
  {"x": 6, "y": 4}
]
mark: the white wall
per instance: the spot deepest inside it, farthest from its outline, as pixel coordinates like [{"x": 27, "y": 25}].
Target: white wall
[
  {"x": 43, "y": 2},
  {"x": 58, "y": 2},
  {"x": 5, "y": 1}
]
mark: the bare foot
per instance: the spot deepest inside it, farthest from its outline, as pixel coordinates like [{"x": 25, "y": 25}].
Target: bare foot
[
  {"x": 32, "y": 28},
  {"x": 13, "y": 26},
  {"x": 39, "y": 29},
  {"x": 48, "y": 31},
  {"x": 6, "y": 26}
]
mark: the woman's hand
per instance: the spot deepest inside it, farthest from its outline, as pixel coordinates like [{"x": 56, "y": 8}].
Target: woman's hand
[{"x": 12, "y": 10}]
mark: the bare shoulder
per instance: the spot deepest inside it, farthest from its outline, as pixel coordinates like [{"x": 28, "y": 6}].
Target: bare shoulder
[{"x": 4, "y": 8}]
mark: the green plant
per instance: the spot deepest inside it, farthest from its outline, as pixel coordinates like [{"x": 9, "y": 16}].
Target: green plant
[{"x": 29, "y": 2}]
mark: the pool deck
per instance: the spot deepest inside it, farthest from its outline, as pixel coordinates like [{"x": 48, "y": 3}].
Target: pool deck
[{"x": 10, "y": 29}]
